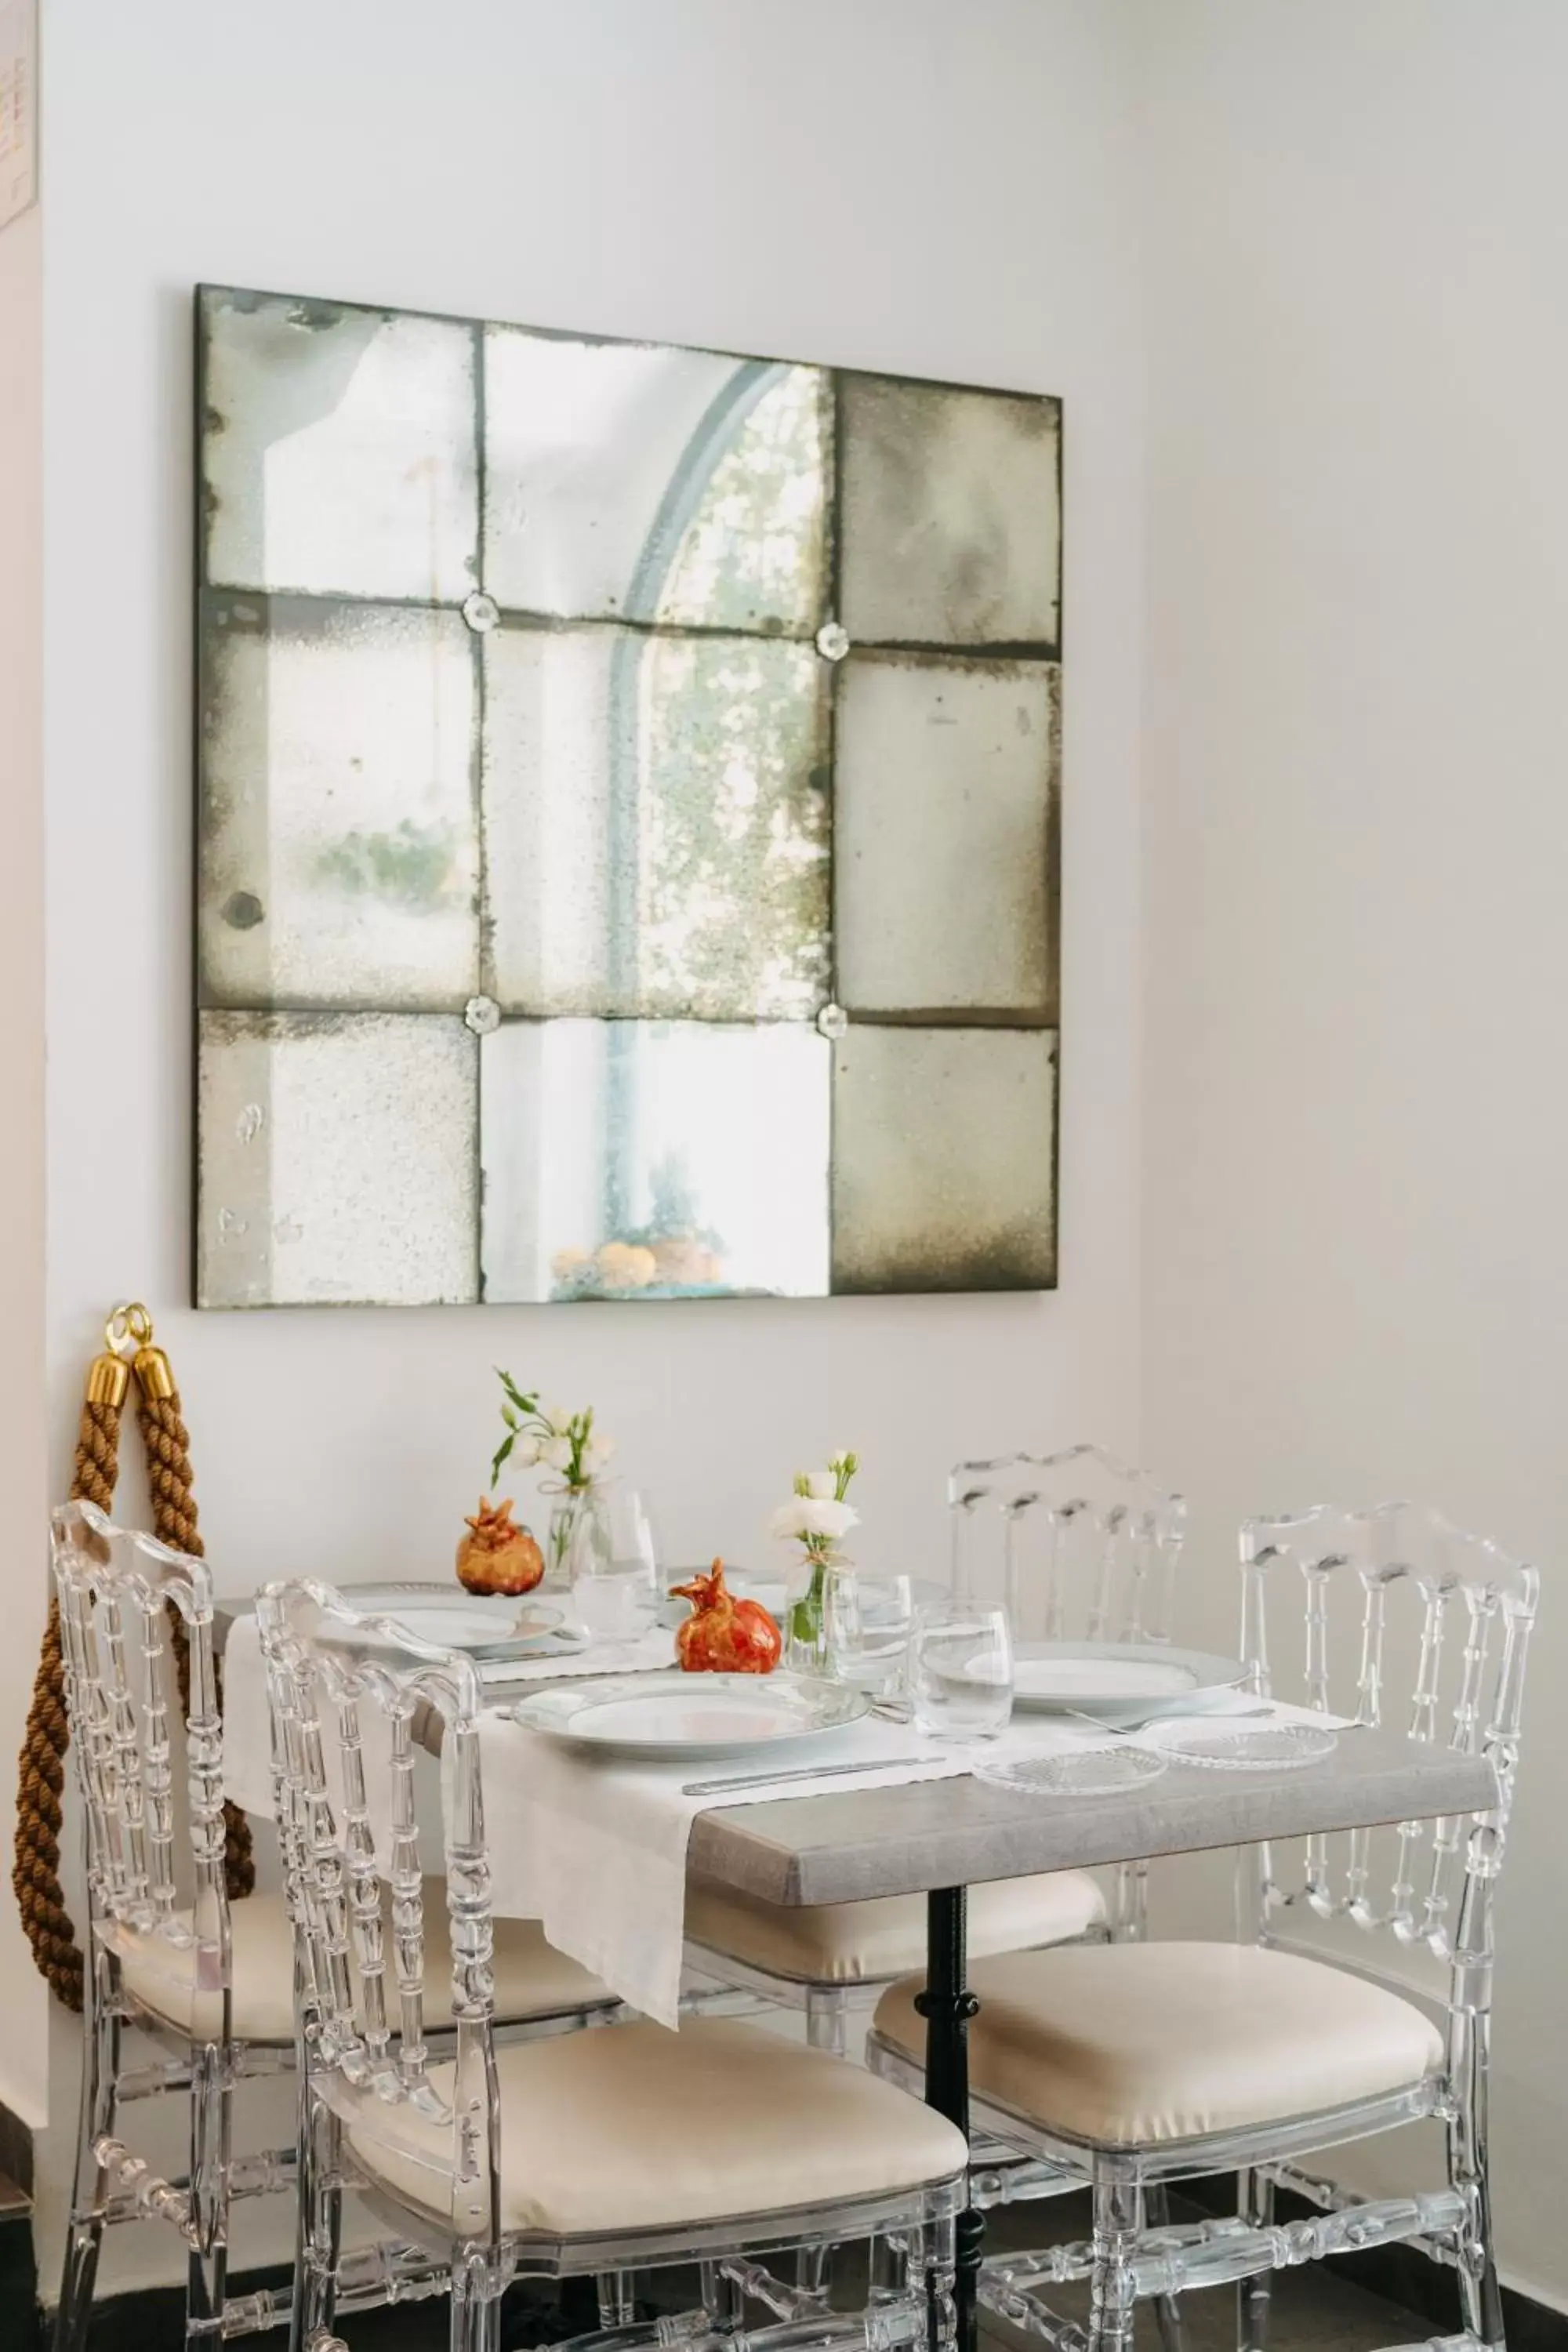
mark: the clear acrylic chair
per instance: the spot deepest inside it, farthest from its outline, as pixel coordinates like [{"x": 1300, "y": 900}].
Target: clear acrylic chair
[
  {"x": 208, "y": 1989},
  {"x": 595, "y": 2154},
  {"x": 160, "y": 1954},
  {"x": 1074, "y": 1546},
  {"x": 1139, "y": 2064}
]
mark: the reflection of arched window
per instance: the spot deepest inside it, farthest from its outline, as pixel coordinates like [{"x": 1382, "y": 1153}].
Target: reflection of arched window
[{"x": 712, "y": 716}]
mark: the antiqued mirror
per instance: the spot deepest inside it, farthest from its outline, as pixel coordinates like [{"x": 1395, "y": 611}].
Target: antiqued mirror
[{"x": 627, "y": 803}]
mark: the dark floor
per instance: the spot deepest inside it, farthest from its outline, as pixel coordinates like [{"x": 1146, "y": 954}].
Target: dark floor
[
  {"x": 18, "y": 2285},
  {"x": 1314, "y": 2311}
]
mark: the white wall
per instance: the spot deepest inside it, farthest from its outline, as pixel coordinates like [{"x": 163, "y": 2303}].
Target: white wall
[
  {"x": 24, "y": 2081},
  {"x": 1356, "y": 831},
  {"x": 897, "y": 184}
]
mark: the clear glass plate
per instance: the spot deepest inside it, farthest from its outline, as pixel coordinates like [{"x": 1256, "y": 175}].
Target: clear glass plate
[
  {"x": 1080, "y": 1772},
  {"x": 1267, "y": 1747}
]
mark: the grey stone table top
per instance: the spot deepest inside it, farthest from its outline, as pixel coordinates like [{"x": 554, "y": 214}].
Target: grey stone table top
[
  {"x": 848, "y": 1847},
  {"x": 844, "y": 1848},
  {"x": 858, "y": 1844}
]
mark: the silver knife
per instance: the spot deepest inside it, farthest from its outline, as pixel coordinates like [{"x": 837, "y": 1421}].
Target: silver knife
[{"x": 807, "y": 1773}]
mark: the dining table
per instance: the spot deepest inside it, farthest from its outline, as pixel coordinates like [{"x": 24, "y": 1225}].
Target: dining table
[{"x": 937, "y": 1838}]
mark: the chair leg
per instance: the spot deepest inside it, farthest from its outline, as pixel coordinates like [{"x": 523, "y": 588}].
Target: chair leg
[
  {"x": 100, "y": 2087},
  {"x": 207, "y": 2268},
  {"x": 722, "y": 2299},
  {"x": 1130, "y": 1923},
  {"x": 476, "y": 2305},
  {"x": 828, "y": 2019},
  {"x": 940, "y": 2264},
  {"x": 1481, "y": 2299},
  {"x": 319, "y": 2229},
  {"x": 1111, "y": 2301},
  {"x": 827, "y": 2029},
  {"x": 1168, "y": 2307},
  {"x": 617, "y": 2299},
  {"x": 1255, "y": 2204}
]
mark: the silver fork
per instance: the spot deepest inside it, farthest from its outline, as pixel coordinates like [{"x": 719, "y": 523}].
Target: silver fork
[{"x": 1126, "y": 1730}]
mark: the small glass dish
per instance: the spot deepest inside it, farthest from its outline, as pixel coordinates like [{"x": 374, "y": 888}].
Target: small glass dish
[
  {"x": 1267, "y": 1747},
  {"x": 1075, "y": 1772}
]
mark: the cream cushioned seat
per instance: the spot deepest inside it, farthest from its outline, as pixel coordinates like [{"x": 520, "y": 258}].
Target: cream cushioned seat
[
  {"x": 639, "y": 2127},
  {"x": 532, "y": 1979},
  {"x": 1135, "y": 2044},
  {"x": 866, "y": 1943}
]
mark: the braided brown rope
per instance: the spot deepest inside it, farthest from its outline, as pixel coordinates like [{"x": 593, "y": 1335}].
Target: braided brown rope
[
  {"x": 41, "y": 1769},
  {"x": 40, "y": 1779}
]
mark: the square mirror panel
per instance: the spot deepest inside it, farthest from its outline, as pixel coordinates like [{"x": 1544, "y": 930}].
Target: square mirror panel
[{"x": 628, "y": 787}]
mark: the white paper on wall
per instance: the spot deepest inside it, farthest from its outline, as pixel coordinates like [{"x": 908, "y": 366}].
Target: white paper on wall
[{"x": 18, "y": 107}]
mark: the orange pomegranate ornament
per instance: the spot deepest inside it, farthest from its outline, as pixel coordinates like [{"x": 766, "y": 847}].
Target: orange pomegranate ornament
[
  {"x": 496, "y": 1555},
  {"x": 723, "y": 1635}
]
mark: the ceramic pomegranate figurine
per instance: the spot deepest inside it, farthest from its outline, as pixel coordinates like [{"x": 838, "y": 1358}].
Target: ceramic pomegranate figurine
[
  {"x": 496, "y": 1555},
  {"x": 723, "y": 1635}
]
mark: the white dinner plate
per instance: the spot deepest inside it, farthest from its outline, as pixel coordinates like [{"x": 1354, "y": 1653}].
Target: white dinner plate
[
  {"x": 487, "y": 1625},
  {"x": 1114, "y": 1680},
  {"x": 676, "y": 1718}
]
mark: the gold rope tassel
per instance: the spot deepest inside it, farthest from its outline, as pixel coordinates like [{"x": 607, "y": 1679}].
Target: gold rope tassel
[{"x": 35, "y": 1877}]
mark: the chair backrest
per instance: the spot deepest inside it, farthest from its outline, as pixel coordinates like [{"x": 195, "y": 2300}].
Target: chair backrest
[
  {"x": 346, "y": 1693},
  {"x": 115, "y": 1589},
  {"x": 1075, "y": 1545},
  {"x": 1429, "y": 1637}
]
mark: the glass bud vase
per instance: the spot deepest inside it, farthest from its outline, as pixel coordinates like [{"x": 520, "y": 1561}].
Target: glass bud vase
[
  {"x": 570, "y": 1508},
  {"x": 821, "y": 1617}
]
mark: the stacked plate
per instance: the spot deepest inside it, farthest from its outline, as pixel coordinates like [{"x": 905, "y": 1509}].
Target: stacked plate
[
  {"x": 676, "y": 1717},
  {"x": 1119, "y": 1682},
  {"x": 489, "y": 1626}
]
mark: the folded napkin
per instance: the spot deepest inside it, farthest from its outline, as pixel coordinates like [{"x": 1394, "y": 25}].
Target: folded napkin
[{"x": 594, "y": 1847}]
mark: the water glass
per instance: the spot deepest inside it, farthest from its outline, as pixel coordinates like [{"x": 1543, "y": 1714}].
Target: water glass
[
  {"x": 866, "y": 1633},
  {"x": 960, "y": 1671},
  {"x": 613, "y": 1560}
]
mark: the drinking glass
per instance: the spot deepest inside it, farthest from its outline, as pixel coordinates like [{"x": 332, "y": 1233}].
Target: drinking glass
[
  {"x": 613, "y": 1560},
  {"x": 867, "y": 1632},
  {"x": 960, "y": 1671}
]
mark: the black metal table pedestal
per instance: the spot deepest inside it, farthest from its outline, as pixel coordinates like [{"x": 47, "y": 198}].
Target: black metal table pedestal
[{"x": 947, "y": 2005}]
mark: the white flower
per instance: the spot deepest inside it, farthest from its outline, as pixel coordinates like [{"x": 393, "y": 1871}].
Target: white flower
[
  {"x": 596, "y": 1454},
  {"x": 557, "y": 1453},
  {"x": 813, "y": 1514},
  {"x": 830, "y": 1519},
  {"x": 525, "y": 1453},
  {"x": 602, "y": 1446},
  {"x": 558, "y": 1419},
  {"x": 823, "y": 1484}
]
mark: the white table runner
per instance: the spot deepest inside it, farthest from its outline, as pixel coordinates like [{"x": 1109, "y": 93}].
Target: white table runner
[{"x": 594, "y": 1847}]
